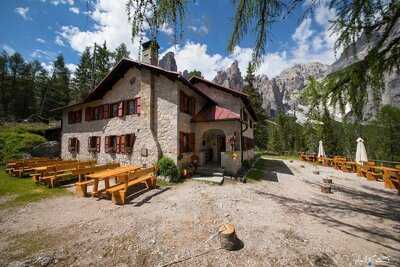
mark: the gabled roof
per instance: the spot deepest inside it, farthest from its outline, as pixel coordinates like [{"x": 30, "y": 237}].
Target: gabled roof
[
  {"x": 215, "y": 113},
  {"x": 119, "y": 70},
  {"x": 243, "y": 96}
]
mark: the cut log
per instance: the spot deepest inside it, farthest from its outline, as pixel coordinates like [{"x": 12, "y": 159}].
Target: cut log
[
  {"x": 228, "y": 238},
  {"x": 327, "y": 180},
  {"x": 326, "y": 188}
]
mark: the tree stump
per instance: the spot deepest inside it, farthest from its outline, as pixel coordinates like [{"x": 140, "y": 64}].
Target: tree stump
[
  {"x": 228, "y": 238},
  {"x": 326, "y": 188},
  {"x": 327, "y": 180}
]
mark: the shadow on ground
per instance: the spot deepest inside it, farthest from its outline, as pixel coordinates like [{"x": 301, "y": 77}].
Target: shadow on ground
[
  {"x": 268, "y": 169},
  {"x": 337, "y": 213}
]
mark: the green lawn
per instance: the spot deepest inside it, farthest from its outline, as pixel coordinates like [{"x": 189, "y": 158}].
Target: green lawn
[{"x": 18, "y": 191}]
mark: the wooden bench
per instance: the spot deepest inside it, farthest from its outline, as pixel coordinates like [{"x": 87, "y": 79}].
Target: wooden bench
[
  {"x": 51, "y": 179},
  {"x": 145, "y": 176},
  {"x": 373, "y": 176},
  {"x": 81, "y": 188}
]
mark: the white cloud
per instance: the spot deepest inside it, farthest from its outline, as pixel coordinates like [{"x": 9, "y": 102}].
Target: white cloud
[
  {"x": 74, "y": 10},
  {"x": 311, "y": 44},
  {"x": 47, "y": 66},
  {"x": 59, "y": 2},
  {"x": 71, "y": 67},
  {"x": 40, "y": 40},
  {"x": 111, "y": 25},
  {"x": 9, "y": 50},
  {"x": 59, "y": 41},
  {"x": 23, "y": 12},
  {"x": 202, "y": 30},
  {"x": 168, "y": 30}
]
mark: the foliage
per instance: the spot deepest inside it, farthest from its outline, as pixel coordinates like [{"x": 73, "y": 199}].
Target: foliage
[
  {"x": 120, "y": 52},
  {"x": 19, "y": 191},
  {"x": 168, "y": 168},
  {"x": 260, "y": 129},
  {"x": 194, "y": 73},
  {"x": 17, "y": 139},
  {"x": 83, "y": 80}
]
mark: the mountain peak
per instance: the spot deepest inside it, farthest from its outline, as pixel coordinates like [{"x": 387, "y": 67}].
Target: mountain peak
[{"x": 231, "y": 77}]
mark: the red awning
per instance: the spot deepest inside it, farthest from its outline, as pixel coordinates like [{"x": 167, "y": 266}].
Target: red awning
[{"x": 215, "y": 113}]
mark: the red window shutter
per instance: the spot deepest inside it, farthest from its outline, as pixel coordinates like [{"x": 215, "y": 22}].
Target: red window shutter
[
  {"x": 106, "y": 111},
  {"x": 88, "y": 112},
  {"x": 78, "y": 115},
  {"x": 118, "y": 148},
  {"x": 123, "y": 143},
  {"x": 126, "y": 107},
  {"x": 70, "y": 119},
  {"x": 191, "y": 141},
  {"x": 120, "y": 112},
  {"x": 77, "y": 145},
  {"x": 138, "y": 105},
  {"x": 98, "y": 140},
  {"x": 181, "y": 142},
  {"x": 107, "y": 144}
]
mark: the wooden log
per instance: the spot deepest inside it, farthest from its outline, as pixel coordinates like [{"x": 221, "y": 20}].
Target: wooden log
[
  {"x": 326, "y": 188},
  {"x": 228, "y": 238},
  {"x": 327, "y": 180}
]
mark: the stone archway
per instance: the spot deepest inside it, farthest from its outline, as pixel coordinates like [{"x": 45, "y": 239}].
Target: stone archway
[{"x": 213, "y": 143}]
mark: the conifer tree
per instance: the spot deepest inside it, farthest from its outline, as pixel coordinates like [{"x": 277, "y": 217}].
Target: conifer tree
[
  {"x": 119, "y": 53},
  {"x": 102, "y": 62},
  {"x": 82, "y": 82},
  {"x": 260, "y": 129}
]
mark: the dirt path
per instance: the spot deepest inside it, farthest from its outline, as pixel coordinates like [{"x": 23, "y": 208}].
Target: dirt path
[{"x": 282, "y": 221}]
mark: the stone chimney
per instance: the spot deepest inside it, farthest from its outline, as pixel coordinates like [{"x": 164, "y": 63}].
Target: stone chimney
[{"x": 150, "y": 52}]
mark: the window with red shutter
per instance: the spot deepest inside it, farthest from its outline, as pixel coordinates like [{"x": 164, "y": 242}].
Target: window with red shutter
[
  {"x": 70, "y": 118},
  {"x": 88, "y": 112},
  {"x": 118, "y": 145},
  {"x": 79, "y": 116},
  {"x": 123, "y": 144},
  {"x": 181, "y": 142}
]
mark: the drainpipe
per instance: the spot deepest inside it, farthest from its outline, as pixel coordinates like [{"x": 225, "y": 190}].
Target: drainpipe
[{"x": 241, "y": 133}]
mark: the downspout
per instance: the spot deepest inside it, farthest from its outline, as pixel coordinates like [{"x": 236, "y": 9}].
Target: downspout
[
  {"x": 241, "y": 133},
  {"x": 153, "y": 115}
]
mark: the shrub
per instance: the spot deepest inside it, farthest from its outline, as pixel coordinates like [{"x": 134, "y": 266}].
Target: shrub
[{"x": 167, "y": 167}]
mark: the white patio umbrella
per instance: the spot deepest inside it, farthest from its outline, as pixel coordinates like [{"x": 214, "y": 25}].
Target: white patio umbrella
[
  {"x": 361, "y": 153},
  {"x": 321, "y": 151}
]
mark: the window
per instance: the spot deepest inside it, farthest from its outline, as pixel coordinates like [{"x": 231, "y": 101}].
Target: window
[
  {"x": 251, "y": 124},
  {"x": 120, "y": 144},
  {"x": 133, "y": 106},
  {"x": 114, "y": 110},
  {"x": 73, "y": 145},
  {"x": 98, "y": 113},
  {"x": 110, "y": 145},
  {"x": 248, "y": 143},
  {"x": 187, "y": 103},
  {"x": 74, "y": 116},
  {"x": 186, "y": 142},
  {"x": 94, "y": 144}
]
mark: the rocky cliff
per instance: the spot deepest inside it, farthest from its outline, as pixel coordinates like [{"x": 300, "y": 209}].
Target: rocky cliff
[
  {"x": 168, "y": 62},
  {"x": 231, "y": 77}
]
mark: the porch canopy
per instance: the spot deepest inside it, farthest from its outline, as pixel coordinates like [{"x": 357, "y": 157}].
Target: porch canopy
[{"x": 213, "y": 112}]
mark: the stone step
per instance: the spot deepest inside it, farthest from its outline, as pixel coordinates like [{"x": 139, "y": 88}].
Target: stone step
[
  {"x": 210, "y": 179},
  {"x": 205, "y": 172}
]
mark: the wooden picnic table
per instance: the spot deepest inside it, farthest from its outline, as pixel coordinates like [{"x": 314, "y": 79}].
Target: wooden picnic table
[
  {"x": 387, "y": 173},
  {"x": 351, "y": 166},
  {"x": 106, "y": 175}
]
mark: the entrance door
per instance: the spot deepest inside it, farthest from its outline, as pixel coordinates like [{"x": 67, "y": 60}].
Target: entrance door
[{"x": 221, "y": 146}]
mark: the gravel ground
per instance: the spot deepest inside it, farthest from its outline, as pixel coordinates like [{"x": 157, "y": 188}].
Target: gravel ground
[{"x": 283, "y": 220}]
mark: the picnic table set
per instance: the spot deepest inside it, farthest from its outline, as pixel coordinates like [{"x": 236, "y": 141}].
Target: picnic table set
[
  {"x": 52, "y": 172},
  {"x": 390, "y": 176}
]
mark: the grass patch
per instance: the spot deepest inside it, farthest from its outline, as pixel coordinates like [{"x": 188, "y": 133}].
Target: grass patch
[
  {"x": 163, "y": 183},
  {"x": 257, "y": 172},
  {"x": 18, "y": 191}
]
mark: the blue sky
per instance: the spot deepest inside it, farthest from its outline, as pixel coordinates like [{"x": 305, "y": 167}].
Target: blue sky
[{"x": 41, "y": 29}]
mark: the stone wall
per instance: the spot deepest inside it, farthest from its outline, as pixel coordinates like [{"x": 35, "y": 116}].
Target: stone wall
[{"x": 161, "y": 141}]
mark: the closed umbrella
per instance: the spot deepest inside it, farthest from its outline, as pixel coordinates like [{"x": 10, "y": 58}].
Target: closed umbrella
[
  {"x": 321, "y": 152},
  {"x": 361, "y": 153}
]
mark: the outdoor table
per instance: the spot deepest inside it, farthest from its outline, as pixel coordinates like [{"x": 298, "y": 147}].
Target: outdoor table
[
  {"x": 387, "y": 172},
  {"x": 351, "y": 165},
  {"x": 106, "y": 175}
]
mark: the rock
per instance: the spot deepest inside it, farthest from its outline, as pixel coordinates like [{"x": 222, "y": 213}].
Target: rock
[
  {"x": 164, "y": 178},
  {"x": 168, "y": 62},
  {"x": 231, "y": 77},
  {"x": 47, "y": 149}
]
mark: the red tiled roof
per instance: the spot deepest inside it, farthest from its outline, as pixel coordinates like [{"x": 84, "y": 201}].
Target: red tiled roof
[{"x": 215, "y": 113}]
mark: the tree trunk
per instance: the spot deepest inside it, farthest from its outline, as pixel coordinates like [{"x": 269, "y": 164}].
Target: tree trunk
[{"x": 228, "y": 238}]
